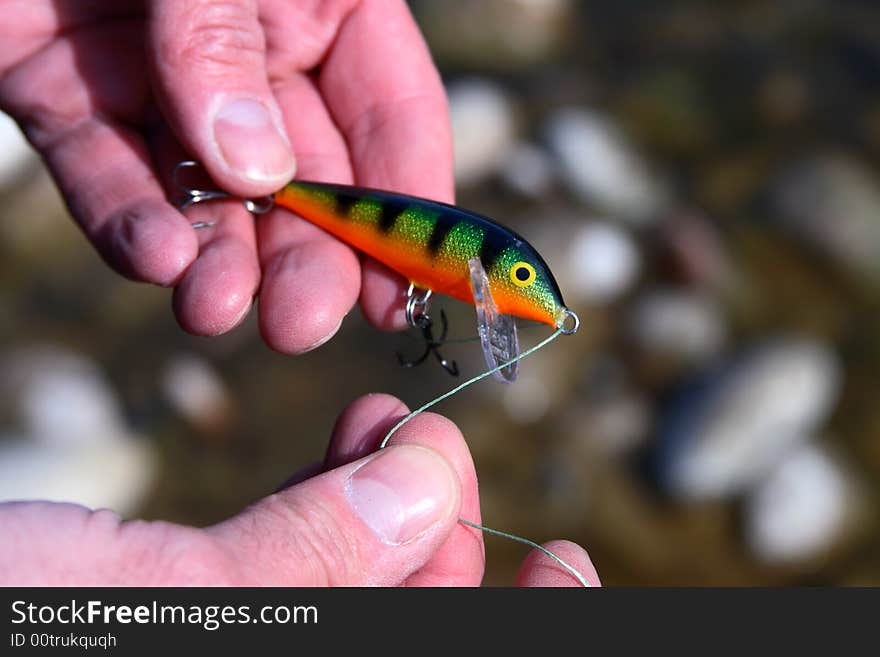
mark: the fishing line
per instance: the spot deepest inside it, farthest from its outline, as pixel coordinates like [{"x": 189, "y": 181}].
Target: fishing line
[
  {"x": 519, "y": 539},
  {"x": 474, "y": 338}
]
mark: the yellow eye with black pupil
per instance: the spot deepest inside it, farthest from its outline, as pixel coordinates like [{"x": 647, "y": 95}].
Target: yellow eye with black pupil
[{"x": 522, "y": 274}]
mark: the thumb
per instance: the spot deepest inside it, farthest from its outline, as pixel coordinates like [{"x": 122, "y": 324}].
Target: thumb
[
  {"x": 375, "y": 521},
  {"x": 209, "y": 65}
]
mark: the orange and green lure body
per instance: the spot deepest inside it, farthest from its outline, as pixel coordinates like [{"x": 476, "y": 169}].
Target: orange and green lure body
[{"x": 430, "y": 243}]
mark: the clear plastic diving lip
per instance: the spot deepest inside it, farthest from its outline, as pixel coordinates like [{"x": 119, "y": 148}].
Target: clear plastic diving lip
[{"x": 497, "y": 331}]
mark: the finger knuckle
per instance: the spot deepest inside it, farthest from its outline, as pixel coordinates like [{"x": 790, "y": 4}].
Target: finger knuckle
[
  {"x": 220, "y": 35},
  {"x": 313, "y": 540}
]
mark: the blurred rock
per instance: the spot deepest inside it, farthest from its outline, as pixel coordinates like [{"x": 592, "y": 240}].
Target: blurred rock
[
  {"x": 197, "y": 391},
  {"x": 115, "y": 475},
  {"x": 614, "y": 426},
  {"x": 483, "y": 128},
  {"x": 56, "y": 396},
  {"x": 692, "y": 251},
  {"x": 833, "y": 203},
  {"x": 70, "y": 442},
  {"x": 528, "y": 170},
  {"x": 608, "y": 416},
  {"x": 602, "y": 263},
  {"x": 495, "y": 34},
  {"x": 16, "y": 155},
  {"x": 601, "y": 168},
  {"x": 677, "y": 323},
  {"x": 528, "y": 399},
  {"x": 724, "y": 432},
  {"x": 801, "y": 510}
]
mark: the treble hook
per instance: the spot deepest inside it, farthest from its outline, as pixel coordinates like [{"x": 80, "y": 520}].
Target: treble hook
[
  {"x": 191, "y": 196},
  {"x": 417, "y": 317}
]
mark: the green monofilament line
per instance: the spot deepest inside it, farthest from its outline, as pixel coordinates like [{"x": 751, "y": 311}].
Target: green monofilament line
[{"x": 519, "y": 539}]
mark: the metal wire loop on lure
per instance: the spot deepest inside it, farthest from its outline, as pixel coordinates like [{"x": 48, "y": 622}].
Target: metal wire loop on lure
[
  {"x": 569, "y": 314},
  {"x": 417, "y": 317},
  {"x": 191, "y": 195}
]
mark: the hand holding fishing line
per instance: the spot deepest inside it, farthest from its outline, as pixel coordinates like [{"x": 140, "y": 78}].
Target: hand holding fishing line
[{"x": 362, "y": 517}]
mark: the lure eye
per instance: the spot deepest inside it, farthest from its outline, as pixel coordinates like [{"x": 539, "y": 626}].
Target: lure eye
[{"x": 522, "y": 274}]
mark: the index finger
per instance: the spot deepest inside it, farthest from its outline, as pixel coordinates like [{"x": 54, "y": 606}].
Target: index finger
[{"x": 387, "y": 98}]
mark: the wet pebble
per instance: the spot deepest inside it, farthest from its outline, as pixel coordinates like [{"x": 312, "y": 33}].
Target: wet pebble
[
  {"x": 66, "y": 437},
  {"x": 600, "y": 166},
  {"x": 677, "y": 323},
  {"x": 528, "y": 170},
  {"x": 117, "y": 474},
  {"x": 724, "y": 431},
  {"x": 614, "y": 426},
  {"x": 483, "y": 128},
  {"x": 801, "y": 509},
  {"x": 602, "y": 262},
  {"x": 57, "y": 396},
  {"x": 528, "y": 399},
  {"x": 195, "y": 389},
  {"x": 833, "y": 203},
  {"x": 692, "y": 251},
  {"x": 16, "y": 155}
]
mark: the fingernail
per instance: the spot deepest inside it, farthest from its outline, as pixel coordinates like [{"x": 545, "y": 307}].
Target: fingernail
[
  {"x": 402, "y": 492},
  {"x": 324, "y": 338},
  {"x": 251, "y": 144},
  {"x": 244, "y": 313}
]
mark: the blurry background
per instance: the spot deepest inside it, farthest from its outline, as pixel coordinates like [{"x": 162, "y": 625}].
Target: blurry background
[{"x": 702, "y": 178}]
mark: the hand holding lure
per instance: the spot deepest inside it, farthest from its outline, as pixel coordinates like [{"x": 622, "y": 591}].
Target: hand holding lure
[{"x": 438, "y": 248}]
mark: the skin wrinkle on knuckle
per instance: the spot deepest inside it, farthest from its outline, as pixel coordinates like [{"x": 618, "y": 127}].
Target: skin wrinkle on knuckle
[
  {"x": 221, "y": 36},
  {"x": 313, "y": 540}
]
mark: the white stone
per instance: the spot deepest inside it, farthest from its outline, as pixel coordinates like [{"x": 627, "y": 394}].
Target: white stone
[
  {"x": 69, "y": 441},
  {"x": 483, "y": 128},
  {"x": 57, "y": 396},
  {"x": 195, "y": 389},
  {"x": 528, "y": 170},
  {"x": 600, "y": 166},
  {"x": 618, "y": 425},
  {"x": 833, "y": 202},
  {"x": 115, "y": 475},
  {"x": 15, "y": 152},
  {"x": 603, "y": 263},
  {"x": 527, "y": 400},
  {"x": 800, "y": 510},
  {"x": 763, "y": 407},
  {"x": 680, "y": 323}
]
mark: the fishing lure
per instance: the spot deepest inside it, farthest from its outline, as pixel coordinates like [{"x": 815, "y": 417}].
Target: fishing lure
[{"x": 438, "y": 248}]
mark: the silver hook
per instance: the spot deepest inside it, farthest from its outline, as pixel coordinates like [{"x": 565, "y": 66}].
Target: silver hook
[{"x": 193, "y": 196}]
